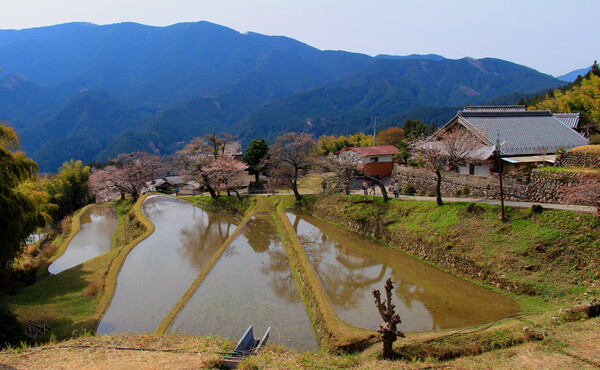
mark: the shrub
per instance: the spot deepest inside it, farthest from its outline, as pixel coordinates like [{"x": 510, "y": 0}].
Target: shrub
[
  {"x": 457, "y": 193},
  {"x": 414, "y": 163},
  {"x": 466, "y": 191},
  {"x": 421, "y": 193},
  {"x": 408, "y": 189},
  {"x": 595, "y": 139}
]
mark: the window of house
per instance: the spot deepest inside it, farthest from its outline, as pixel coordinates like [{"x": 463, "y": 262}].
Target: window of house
[
  {"x": 471, "y": 169},
  {"x": 374, "y": 159}
]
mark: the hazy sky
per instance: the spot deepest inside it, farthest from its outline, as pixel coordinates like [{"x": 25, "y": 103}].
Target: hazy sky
[{"x": 551, "y": 36}]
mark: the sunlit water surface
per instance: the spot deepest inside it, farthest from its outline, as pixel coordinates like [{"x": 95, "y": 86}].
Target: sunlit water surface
[
  {"x": 97, "y": 225},
  {"x": 350, "y": 266},
  {"x": 252, "y": 284},
  {"x": 159, "y": 270}
]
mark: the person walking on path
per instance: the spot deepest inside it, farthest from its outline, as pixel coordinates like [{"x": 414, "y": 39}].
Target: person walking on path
[
  {"x": 396, "y": 189},
  {"x": 365, "y": 187},
  {"x": 372, "y": 185}
]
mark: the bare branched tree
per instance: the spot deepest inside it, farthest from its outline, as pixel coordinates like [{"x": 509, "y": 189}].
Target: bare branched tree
[
  {"x": 349, "y": 167},
  {"x": 445, "y": 149},
  {"x": 289, "y": 158}
]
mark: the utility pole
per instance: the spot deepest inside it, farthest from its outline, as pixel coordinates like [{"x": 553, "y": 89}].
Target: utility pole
[
  {"x": 374, "y": 130},
  {"x": 499, "y": 165}
]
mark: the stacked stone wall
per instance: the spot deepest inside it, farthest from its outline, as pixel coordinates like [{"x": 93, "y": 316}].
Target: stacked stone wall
[
  {"x": 540, "y": 186},
  {"x": 455, "y": 183},
  {"x": 547, "y": 186},
  {"x": 577, "y": 159}
]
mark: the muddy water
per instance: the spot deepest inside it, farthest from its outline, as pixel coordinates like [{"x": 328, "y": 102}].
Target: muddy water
[
  {"x": 159, "y": 270},
  {"x": 252, "y": 284},
  {"x": 350, "y": 267},
  {"x": 97, "y": 225}
]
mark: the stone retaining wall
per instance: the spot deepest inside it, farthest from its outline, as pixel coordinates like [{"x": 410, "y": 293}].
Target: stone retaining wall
[
  {"x": 540, "y": 186},
  {"x": 453, "y": 183},
  {"x": 577, "y": 159}
]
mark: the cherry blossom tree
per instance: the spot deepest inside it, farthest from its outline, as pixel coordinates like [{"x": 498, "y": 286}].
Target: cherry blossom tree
[
  {"x": 198, "y": 161},
  {"x": 229, "y": 173},
  {"x": 127, "y": 175}
]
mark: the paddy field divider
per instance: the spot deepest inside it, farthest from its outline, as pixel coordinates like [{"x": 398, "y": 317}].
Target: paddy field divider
[
  {"x": 333, "y": 333},
  {"x": 117, "y": 263},
  {"x": 168, "y": 320}
]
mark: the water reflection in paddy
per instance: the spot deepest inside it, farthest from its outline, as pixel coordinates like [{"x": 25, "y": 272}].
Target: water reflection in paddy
[
  {"x": 350, "y": 267},
  {"x": 93, "y": 238},
  {"x": 159, "y": 270},
  {"x": 252, "y": 284}
]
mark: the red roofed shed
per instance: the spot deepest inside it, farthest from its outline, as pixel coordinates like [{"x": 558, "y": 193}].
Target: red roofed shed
[{"x": 378, "y": 160}]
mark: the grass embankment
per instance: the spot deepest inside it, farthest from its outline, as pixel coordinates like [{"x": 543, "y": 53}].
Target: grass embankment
[
  {"x": 572, "y": 345},
  {"x": 238, "y": 206},
  {"x": 333, "y": 333},
  {"x": 546, "y": 261},
  {"x": 231, "y": 205},
  {"x": 71, "y": 302},
  {"x": 545, "y": 258},
  {"x": 590, "y": 149}
]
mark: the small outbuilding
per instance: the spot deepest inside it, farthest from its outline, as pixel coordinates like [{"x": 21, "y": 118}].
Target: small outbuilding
[{"x": 377, "y": 160}]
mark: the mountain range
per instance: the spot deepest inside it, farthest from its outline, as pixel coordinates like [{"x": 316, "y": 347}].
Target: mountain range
[{"x": 89, "y": 92}]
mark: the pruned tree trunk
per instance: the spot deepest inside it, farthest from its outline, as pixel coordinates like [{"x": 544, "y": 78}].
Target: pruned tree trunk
[{"x": 388, "y": 330}]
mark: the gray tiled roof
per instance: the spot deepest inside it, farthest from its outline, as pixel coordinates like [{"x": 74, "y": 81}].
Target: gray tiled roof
[
  {"x": 524, "y": 132},
  {"x": 571, "y": 120},
  {"x": 495, "y": 108}
]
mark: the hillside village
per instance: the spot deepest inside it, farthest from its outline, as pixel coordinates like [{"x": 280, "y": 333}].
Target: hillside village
[{"x": 483, "y": 228}]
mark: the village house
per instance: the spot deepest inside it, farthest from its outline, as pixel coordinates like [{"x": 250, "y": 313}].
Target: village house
[
  {"x": 527, "y": 138},
  {"x": 377, "y": 160}
]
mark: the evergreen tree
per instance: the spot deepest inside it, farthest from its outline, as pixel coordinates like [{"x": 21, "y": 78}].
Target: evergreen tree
[{"x": 256, "y": 152}]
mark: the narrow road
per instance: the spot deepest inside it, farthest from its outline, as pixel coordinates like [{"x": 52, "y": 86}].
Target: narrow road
[{"x": 509, "y": 203}]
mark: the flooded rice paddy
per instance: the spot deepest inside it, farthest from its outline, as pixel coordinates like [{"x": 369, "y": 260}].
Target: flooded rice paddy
[
  {"x": 93, "y": 238},
  {"x": 251, "y": 284},
  {"x": 159, "y": 270},
  {"x": 350, "y": 266}
]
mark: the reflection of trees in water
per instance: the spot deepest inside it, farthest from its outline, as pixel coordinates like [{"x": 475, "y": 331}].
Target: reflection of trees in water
[
  {"x": 97, "y": 212},
  {"x": 278, "y": 271},
  {"x": 260, "y": 234},
  {"x": 404, "y": 290},
  {"x": 201, "y": 240},
  {"x": 345, "y": 276},
  {"x": 346, "y": 273},
  {"x": 263, "y": 236}
]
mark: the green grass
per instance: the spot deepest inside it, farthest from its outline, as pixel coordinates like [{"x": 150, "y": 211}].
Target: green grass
[
  {"x": 555, "y": 254},
  {"x": 229, "y": 204},
  {"x": 60, "y": 299},
  {"x": 69, "y": 301},
  {"x": 589, "y": 171}
]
